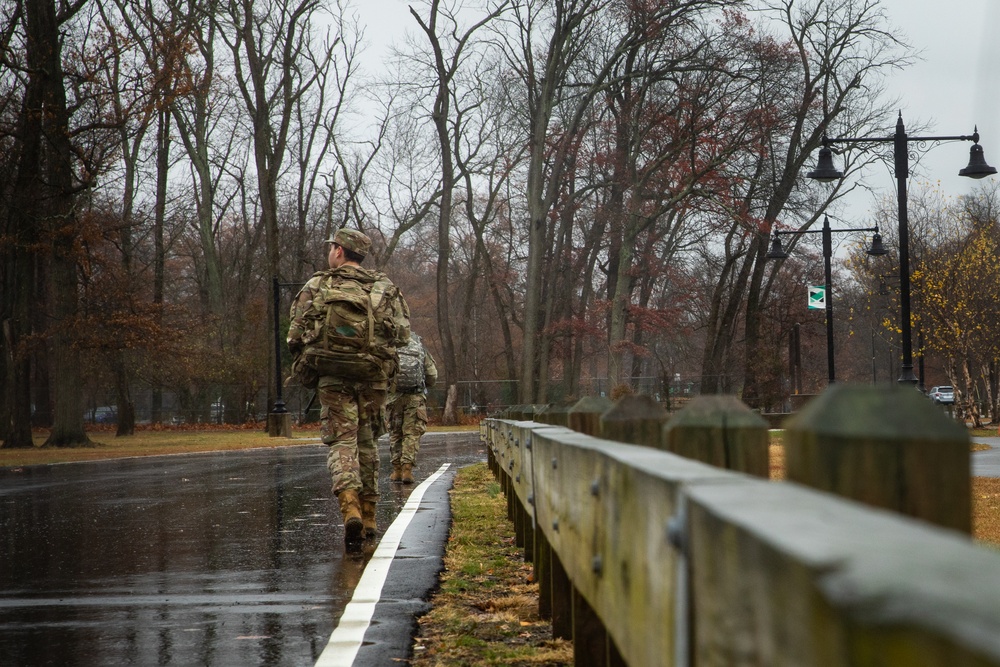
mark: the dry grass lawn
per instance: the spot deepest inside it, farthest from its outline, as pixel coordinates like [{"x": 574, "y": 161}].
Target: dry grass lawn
[
  {"x": 151, "y": 443},
  {"x": 986, "y": 510},
  {"x": 163, "y": 440}
]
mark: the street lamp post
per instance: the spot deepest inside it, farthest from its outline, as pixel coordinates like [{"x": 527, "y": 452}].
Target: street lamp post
[
  {"x": 279, "y": 421},
  {"x": 876, "y": 249},
  {"x": 826, "y": 172}
]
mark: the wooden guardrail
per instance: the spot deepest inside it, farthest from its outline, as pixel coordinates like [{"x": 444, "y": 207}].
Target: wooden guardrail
[{"x": 645, "y": 557}]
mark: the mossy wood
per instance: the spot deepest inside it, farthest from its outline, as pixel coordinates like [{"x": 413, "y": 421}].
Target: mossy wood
[
  {"x": 636, "y": 419},
  {"x": 720, "y": 431},
  {"x": 604, "y": 508},
  {"x": 540, "y": 413},
  {"x": 777, "y": 573},
  {"x": 885, "y": 446},
  {"x": 585, "y": 415},
  {"x": 557, "y": 415},
  {"x": 785, "y": 575}
]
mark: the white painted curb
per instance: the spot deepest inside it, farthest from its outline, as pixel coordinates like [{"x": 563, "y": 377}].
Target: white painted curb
[{"x": 347, "y": 637}]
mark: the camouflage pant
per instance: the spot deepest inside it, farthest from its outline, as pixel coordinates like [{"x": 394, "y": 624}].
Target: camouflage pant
[
  {"x": 352, "y": 418},
  {"x": 407, "y": 422}
]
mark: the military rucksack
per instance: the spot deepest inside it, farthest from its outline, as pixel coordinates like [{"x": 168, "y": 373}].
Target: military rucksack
[
  {"x": 410, "y": 378},
  {"x": 355, "y": 336}
]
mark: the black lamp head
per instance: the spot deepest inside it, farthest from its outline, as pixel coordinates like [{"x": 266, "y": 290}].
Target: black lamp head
[
  {"x": 877, "y": 249},
  {"x": 825, "y": 172},
  {"x": 776, "y": 251},
  {"x": 977, "y": 164}
]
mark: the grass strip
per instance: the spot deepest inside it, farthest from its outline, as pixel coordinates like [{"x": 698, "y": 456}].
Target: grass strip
[
  {"x": 149, "y": 443},
  {"x": 159, "y": 440},
  {"x": 486, "y": 609}
]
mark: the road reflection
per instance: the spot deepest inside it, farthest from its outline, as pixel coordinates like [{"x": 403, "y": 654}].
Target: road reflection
[{"x": 218, "y": 559}]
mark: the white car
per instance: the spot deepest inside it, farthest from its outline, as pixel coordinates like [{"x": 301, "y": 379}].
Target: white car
[{"x": 943, "y": 395}]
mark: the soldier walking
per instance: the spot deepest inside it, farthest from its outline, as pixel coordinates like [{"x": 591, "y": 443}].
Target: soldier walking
[
  {"x": 347, "y": 323},
  {"x": 408, "y": 407}
]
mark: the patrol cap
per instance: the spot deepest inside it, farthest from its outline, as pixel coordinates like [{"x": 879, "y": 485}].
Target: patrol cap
[{"x": 353, "y": 240}]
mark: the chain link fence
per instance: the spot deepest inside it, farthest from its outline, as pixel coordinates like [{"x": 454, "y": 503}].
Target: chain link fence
[{"x": 475, "y": 399}]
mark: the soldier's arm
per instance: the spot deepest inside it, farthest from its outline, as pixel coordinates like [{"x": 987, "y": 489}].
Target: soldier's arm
[
  {"x": 430, "y": 369},
  {"x": 401, "y": 317},
  {"x": 298, "y": 326}
]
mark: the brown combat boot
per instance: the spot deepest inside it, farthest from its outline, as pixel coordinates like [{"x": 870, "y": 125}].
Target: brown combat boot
[
  {"x": 368, "y": 518},
  {"x": 397, "y": 473},
  {"x": 407, "y": 475},
  {"x": 350, "y": 507}
]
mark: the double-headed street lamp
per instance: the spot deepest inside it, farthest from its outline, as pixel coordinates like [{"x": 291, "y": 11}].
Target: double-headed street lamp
[
  {"x": 876, "y": 249},
  {"x": 826, "y": 172}
]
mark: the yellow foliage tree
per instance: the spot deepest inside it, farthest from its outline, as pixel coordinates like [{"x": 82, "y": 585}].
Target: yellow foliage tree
[{"x": 959, "y": 312}]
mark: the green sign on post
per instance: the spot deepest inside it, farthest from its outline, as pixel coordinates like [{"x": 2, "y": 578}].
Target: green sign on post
[{"x": 817, "y": 297}]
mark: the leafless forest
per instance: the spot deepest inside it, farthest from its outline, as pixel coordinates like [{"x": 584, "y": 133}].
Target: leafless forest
[{"x": 573, "y": 195}]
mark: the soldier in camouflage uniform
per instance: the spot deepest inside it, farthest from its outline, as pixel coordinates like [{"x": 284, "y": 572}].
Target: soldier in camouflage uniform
[
  {"x": 408, "y": 407},
  {"x": 352, "y": 415}
]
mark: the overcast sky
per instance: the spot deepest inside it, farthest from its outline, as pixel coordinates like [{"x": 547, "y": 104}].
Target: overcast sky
[{"x": 954, "y": 88}]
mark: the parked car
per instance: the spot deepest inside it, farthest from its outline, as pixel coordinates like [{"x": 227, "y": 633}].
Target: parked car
[
  {"x": 105, "y": 414},
  {"x": 942, "y": 395}
]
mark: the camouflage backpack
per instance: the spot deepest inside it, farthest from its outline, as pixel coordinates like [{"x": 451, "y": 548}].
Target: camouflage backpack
[
  {"x": 354, "y": 336},
  {"x": 410, "y": 377}
]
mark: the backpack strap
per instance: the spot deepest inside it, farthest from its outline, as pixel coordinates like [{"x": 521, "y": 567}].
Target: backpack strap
[
  {"x": 377, "y": 295},
  {"x": 378, "y": 292},
  {"x": 371, "y": 323}
]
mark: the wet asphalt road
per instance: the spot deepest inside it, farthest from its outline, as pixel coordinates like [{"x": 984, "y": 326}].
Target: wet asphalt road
[
  {"x": 987, "y": 463},
  {"x": 219, "y": 559}
]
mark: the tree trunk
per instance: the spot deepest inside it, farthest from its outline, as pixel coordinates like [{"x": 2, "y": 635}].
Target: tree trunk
[
  {"x": 126, "y": 406},
  {"x": 159, "y": 248},
  {"x": 441, "y": 117},
  {"x": 969, "y": 402},
  {"x": 67, "y": 426},
  {"x": 54, "y": 208},
  {"x": 753, "y": 391},
  {"x": 16, "y": 431},
  {"x": 41, "y": 384},
  {"x": 450, "y": 415},
  {"x": 724, "y": 309}
]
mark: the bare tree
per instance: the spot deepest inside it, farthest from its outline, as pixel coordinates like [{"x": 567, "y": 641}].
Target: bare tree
[
  {"x": 549, "y": 52},
  {"x": 839, "y": 50},
  {"x": 446, "y": 116},
  {"x": 275, "y": 64},
  {"x": 204, "y": 121},
  {"x": 52, "y": 169}
]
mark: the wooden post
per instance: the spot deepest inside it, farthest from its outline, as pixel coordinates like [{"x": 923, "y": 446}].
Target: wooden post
[
  {"x": 884, "y": 446},
  {"x": 517, "y": 516},
  {"x": 590, "y": 638},
  {"x": 720, "y": 431},
  {"x": 541, "y": 413},
  {"x": 636, "y": 419},
  {"x": 562, "y": 599},
  {"x": 558, "y": 415},
  {"x": 543, "y": 573},
  {"x": 585, "y": 415},
  {"x": 529, "y": 411}
]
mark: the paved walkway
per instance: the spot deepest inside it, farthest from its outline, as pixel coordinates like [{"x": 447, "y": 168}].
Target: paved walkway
[
  {"x": 220, "y": 559},
  {"x": 986, "y": 463}
]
